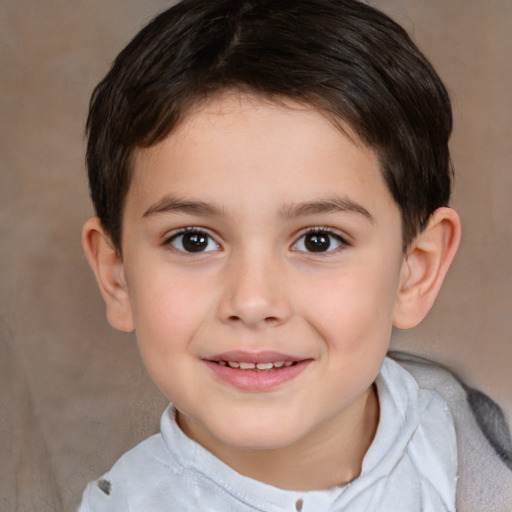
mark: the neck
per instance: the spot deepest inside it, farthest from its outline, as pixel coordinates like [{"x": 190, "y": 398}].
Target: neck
[{"x": 330, "y": 457}]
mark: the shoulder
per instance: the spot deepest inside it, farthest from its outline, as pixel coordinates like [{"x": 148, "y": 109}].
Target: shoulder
[
  {"x": 136, "y": 477},
  {"x": 483, "y": 437}
]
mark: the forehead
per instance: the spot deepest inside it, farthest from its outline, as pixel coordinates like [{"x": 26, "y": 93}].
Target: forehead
[{"x": 240, "y": 146}]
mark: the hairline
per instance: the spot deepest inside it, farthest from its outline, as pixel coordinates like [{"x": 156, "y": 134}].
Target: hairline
[{"x": 282, "y": 100}]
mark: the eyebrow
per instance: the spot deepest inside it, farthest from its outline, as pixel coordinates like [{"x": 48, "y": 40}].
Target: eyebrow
[
  {"x": 330, "y": 205},
  {"x": 335, "y": 204},
  {"x": 176, "y": 205}
]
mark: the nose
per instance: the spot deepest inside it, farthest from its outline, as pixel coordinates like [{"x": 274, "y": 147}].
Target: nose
[{"x": 254, "y": 292}]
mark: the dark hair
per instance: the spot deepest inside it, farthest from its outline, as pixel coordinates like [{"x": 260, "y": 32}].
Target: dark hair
[{"x": 343, "y": 57}]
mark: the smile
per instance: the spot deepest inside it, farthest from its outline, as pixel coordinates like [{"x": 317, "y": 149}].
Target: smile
[
  {"x": 256, "y": 372},
  {"x": 262, "y": 367}
]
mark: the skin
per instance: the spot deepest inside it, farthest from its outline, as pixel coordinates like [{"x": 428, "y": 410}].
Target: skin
[{"x": 254, "y": 178}]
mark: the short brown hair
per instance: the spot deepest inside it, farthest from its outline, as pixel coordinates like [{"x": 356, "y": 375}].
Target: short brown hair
[{"x": 343, "y": 57}]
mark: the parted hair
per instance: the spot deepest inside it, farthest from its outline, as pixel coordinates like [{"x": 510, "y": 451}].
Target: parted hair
[{"x": 343, "y": 57}]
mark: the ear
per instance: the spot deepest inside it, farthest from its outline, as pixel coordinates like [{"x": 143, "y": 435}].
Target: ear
[
  {"x": 108, "y": 268},
  {"x": 425, "y": 266}
]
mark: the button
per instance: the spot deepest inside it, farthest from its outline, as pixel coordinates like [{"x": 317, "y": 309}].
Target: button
[{"x": 299, "y": 504}]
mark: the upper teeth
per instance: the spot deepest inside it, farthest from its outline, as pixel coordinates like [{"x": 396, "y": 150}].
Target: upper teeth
[{"x": 255, "y": 366}]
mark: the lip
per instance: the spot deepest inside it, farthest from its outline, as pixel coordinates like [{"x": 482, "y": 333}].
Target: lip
[
  {"x": 267, "y": 356},
  {"x": 256, "y": 380}
]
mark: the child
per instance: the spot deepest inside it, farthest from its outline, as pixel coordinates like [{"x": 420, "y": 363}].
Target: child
[{"x": 271, "y": 182}]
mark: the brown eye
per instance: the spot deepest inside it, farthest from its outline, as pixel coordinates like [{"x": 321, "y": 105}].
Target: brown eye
[
  {"x": 193, "y": 241},
  {"x": 318, "y": 241}
]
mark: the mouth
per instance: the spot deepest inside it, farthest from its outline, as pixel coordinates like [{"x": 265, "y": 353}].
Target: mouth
[
  {"x": 258, "y": 367},
  {"x": 256, "y": 372}
]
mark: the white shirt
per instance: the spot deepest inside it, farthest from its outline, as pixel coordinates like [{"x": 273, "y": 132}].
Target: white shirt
[{"x": 410, "y": 466}]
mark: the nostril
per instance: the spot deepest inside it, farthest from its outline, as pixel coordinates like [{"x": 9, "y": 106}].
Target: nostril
[{"x": 267, "y": 320}]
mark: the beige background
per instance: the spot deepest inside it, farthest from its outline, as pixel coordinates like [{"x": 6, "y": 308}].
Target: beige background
[{"x": 73, "y": 393}]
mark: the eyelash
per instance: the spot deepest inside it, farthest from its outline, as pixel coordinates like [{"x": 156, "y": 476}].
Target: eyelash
[
  {"x": 190, "y": 230},
  {"x": 330, "y": 235}
]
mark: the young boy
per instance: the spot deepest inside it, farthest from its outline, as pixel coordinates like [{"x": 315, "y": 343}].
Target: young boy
[{"x": 271, "y": 182}]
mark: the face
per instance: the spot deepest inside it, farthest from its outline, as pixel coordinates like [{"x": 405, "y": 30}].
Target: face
[{"x": 262, "y": 253}]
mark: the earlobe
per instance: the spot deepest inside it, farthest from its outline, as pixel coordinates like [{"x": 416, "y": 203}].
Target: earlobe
[
  {"x": 425, "y": 266},
  {"x": 108, "y": 268}
]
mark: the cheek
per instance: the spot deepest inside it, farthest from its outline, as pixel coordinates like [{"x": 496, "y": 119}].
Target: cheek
[
  {"x": 167, "y": 310},
  {"x": 353, "y": 311},
  {"x": 167, "y": 315}
]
